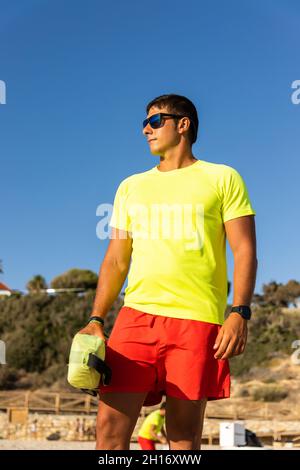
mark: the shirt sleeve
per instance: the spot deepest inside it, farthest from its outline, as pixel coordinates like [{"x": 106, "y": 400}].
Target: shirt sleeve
[
  {"x": 234, "y": 194},
  {"x": 120, "y": 217}
]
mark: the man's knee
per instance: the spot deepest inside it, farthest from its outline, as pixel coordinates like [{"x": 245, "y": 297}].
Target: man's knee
[
  {"x": 185, "y": 419},
  {"x": 108, "y": 424},
  {"x": 182, "y": 429},
  {"x": 110, "y": 434},
  {"x": 117, "y": 417}
]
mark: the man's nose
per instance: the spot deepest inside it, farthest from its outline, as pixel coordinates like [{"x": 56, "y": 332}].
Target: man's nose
[{"x": 147, "y": 129}]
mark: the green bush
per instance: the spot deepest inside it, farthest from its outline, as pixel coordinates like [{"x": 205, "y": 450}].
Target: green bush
[
  {"x": 270, "y": 332},
  {"x": 38, "y": 330},
  {"x": 75, "y": 278},
  {"x": 269, "y": 393}
]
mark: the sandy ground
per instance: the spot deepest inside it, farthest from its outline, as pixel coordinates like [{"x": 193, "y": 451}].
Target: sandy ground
[
  {"x": 34, "y": 444},
  {"x": 43, "y": 444}
]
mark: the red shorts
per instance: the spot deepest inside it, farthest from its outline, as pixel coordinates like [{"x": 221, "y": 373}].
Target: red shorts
[
  {"x": 146, "y": 444},
  {"x": 165, "y": 356}
]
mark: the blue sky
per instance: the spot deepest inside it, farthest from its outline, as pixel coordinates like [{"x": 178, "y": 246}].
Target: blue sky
[{"x": 78, "y": 77}]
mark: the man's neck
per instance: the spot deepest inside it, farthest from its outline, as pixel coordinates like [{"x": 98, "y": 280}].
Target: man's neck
[{"x": 176, "y": 160}]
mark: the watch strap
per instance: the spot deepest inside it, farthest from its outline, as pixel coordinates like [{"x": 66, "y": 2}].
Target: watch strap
[
  {"x": 243, "y": 310},
  {"x": 96, "y": 319}
]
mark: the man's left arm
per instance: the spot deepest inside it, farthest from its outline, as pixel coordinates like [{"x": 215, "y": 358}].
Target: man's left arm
[{"x": 232, "y": 337}]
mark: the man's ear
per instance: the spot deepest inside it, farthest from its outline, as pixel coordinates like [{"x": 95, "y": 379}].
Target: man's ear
[
  {"x": 184, "y": 123},
  {"x": 188, "y": 122}
]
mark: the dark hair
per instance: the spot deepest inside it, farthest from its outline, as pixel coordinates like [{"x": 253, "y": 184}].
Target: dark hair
[{"x": 178, "y": 104}]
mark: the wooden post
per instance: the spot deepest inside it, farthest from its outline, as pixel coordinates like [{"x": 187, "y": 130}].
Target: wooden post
[
  {"x": 26, "y": 399},
  {"x": 275, "y": 434},
  {"x": 234, "y": 412},
  {"x": 266, "y": 411},
  {"x": 87, "y": 404},
  {"x": 57, "y": 403}
]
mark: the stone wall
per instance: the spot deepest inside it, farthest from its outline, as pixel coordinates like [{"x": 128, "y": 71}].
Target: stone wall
[{"x": 42, "y": 426}]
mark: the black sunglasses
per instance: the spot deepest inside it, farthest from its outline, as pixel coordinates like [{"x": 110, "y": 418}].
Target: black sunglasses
[{"x": 158, "y": 120}]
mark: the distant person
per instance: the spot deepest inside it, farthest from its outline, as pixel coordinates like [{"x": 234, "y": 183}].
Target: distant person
[
  {"x": 83, "y": 429},
  {"x": 77, "y": 428},
  {"x": 33, "y": 428},
  {"x": 91, "y": 432},
  {"x": 152, "y": 429},
  {"x": 169, "y": 230}
]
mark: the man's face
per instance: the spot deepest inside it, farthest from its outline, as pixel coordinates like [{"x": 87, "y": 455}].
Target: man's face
[{"x": 164, "y": 137}]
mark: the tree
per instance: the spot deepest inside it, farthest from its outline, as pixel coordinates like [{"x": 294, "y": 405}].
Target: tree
[
  {"x": 292, "y": 291},
  {"x": 38, "y": 346},
  {"x": 279, "y": 295},
  {"x": 36, "y": 284},
  {"x": 75, "y": 279}
]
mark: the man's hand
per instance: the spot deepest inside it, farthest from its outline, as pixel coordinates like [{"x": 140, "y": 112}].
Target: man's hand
[
  {"x": 232, "y": 337},
  {"x": 93, "y": 328},
  {"x": 163, "y": 440}
]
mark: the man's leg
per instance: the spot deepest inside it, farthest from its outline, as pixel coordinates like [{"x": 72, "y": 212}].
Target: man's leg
[
  {"x": 117, "y": 416},
  {"x": 184, "y": 423}
]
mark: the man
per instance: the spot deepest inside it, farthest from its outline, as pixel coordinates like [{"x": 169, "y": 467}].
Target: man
[
  {"x": 152, "y": 429},
  {"x": 170, "y": 338}
]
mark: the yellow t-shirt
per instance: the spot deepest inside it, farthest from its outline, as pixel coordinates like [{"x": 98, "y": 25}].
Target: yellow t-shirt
[
  {"x": 176, "y": 221},
  {"x": 153, "y": 419}
]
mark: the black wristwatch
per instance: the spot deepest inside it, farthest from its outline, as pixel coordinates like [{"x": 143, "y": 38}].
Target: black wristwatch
[
  {"x": 243, "y": 310},
  {"x": 96, "y": 319}
]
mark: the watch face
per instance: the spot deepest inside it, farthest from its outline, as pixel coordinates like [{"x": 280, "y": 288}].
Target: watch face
[{"x": 243, "y": 310}]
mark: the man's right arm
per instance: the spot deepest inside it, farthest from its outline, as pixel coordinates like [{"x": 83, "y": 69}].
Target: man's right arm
[
  {"x": 112, "y": 275},
  {"x": 156, "y": 437}
]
